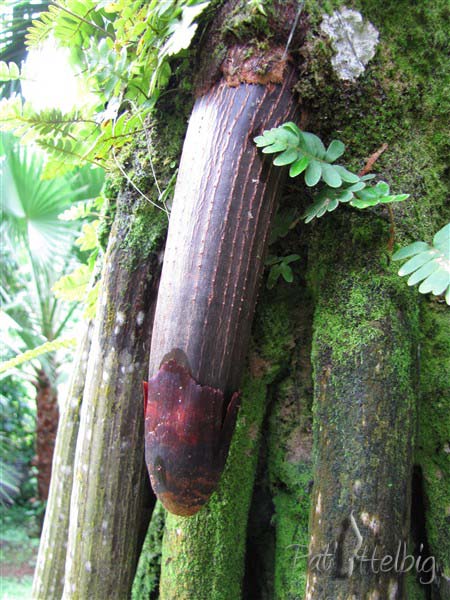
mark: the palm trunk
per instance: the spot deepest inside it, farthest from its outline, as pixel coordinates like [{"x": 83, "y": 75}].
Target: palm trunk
[{"x": 46, "y": 428}]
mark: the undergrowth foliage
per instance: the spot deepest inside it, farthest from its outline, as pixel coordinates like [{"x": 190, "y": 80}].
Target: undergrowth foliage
[
  {"x": 123, "y": 50},
  {"x": 307, "y": 155}
]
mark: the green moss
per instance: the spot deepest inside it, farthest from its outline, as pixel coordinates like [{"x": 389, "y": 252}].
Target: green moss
[
  {"x": 274, "y": 334},
  {"x": 148, "y": 227},
  {"x": 248, "y": 20},
  {"x": 404, "y": 87},
  {"x": 279, "y": 535},
  {"x": 206, "y": 552},
  {"x": 433, "y": 449},
  {"x": 351, "y": 306},
  {"x": 290, "y": 476}
]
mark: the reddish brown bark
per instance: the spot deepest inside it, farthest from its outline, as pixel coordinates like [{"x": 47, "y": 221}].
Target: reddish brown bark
[{"x": 46, "y": 427}]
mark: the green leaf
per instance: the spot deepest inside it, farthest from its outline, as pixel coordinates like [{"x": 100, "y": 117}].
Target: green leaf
[
  {"x": 52, "y": 346},
  {"x": 299, "y": 166},
  {"x": 395, "y": 198},
  {"x": 313, "y": 144},
  {"x": 334, "y": 151},
  {"x": 423, "y": 272},
  {"x": 382, "y": 188},
  {"x": 291, "y": 258},
  {"x": 441, "y": 240},
  {"x": 331, "y": 176},
  {"x": 417, "y": 261},
  {"x": 313, "y": 173},
  {"x": 292, "y": 127},
  {"x": 332, "y": 205},
  {"x": 278, "y": 146},
  {"x": 346, "y": 175},
  {"x": 410, "y": 250},
  {"x": 88, "y": 240},
  {"x": 429, "y": 264},
  {"x": 286, "y": 158},
  {"x": 274, "y": 274},
  {"x": 287, "y": 273},
  {"x": 73, "y": 287},
  {"x": 435, "y": 283}
]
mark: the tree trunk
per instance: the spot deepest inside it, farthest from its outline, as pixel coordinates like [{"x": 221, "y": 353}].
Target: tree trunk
[
  {"x": 364, "y": 360},
  {"x": 204, "y": 554},
  {"x": 46, "y": 427},
  {"x": 109, "y": 468},
  {"x": 217, "y": 242},
  {"x": 431, "y": 482},
  {"x": 363, "y": 355},
  {"x": 49, "y": 573}
]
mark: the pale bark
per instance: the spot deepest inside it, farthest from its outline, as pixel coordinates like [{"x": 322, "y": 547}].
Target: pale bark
[
  {"x": 49, "y": 574},
  {"x": 111, "y": 502}
]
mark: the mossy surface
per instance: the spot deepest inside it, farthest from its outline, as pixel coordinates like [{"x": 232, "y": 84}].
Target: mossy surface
[
  {"x": 433, "y": 444},
  {"x": 361, "y": 303},
  {"x": 278, "y": 527}
]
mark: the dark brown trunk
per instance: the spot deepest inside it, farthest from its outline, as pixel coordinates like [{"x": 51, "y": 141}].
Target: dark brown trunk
[
  {"x": 46, "y": 428},
  {"x": 224, "y": 203}
]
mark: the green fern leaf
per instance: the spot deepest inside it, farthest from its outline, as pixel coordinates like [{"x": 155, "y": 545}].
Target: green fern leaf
[
  {"x": 24, "y": 357},
  {"x": 428, "y": 265}
]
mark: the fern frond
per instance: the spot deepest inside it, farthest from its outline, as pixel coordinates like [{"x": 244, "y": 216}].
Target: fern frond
[
  {"x": 306, "y": 154},
  {"x": 428, "y": 264},
  {"x": 9, "y": 71},
  {"x": 24, "y": 357},
  {"x": 356, "y": 195}
]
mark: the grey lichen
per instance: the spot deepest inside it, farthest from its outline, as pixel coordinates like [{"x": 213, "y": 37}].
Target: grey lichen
[{"x": 353, "y": 39}]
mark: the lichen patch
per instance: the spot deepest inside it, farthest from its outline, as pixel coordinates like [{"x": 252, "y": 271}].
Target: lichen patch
[{"x": 353, "y": 39}]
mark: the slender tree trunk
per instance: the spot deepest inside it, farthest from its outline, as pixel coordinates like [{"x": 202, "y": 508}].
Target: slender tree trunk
[
  {"x": 111, "y": 502},
  {"x": 364, "y": 360},
  {"x": 49, "y": 574},
  {"x": 47, "y": 415}
]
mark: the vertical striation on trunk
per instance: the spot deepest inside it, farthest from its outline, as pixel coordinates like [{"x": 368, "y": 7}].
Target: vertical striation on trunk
[
  {"x": 110, "y": 504},
  {"x": 224, "y": 203},
  {"x": 48, "y": 580}
]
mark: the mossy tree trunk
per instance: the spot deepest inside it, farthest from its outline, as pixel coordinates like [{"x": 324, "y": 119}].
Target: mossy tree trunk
[
  {"x": 365, "y": 351},
  {"x": 349, "y": 318},
  {"x": 109, "y": 461},
  {"x": 364, "y": 360},
  {"x": 99, "y": 542}
]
